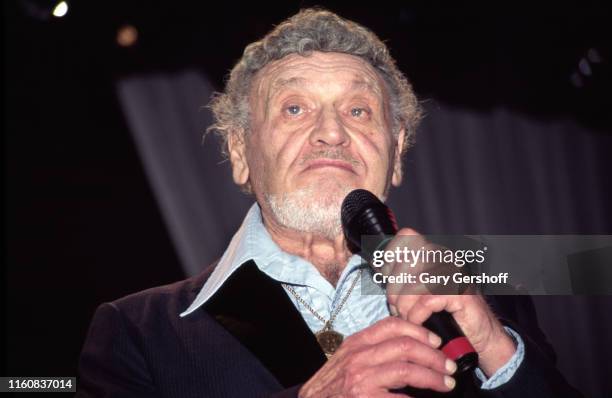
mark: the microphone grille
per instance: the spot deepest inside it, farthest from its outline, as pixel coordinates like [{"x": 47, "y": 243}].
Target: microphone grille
[{"x": 354, "y": 202}]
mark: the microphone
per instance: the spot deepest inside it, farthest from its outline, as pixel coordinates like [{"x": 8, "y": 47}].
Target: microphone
[{"x": 363, "y": 214}]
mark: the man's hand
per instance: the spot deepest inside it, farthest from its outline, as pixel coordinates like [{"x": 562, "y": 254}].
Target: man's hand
[
  {"x": 391, "y": 354},
  {"x": 470, "y": 310}
]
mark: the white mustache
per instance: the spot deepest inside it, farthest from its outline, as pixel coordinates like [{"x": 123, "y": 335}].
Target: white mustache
[{"x": 330, "y": 154}]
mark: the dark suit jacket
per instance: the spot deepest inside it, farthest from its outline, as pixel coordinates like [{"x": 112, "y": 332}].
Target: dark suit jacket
[{"x": 248, "y": 340}]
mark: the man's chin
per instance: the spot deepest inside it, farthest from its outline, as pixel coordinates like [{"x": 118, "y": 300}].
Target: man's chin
[
  {"x": 310, "y": 210},
  {"x": 327, "y": 192}
]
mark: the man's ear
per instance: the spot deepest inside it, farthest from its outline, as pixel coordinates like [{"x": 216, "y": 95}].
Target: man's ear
[
  {"x": 396, "y": 178},
  {"x": 237, "y": 154}
]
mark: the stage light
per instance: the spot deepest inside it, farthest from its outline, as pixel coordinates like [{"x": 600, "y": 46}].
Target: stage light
[
  {"x": 127, "y": 35},
  {"x": 60, "y": 9},
  {"x": 584, "y": 67}
]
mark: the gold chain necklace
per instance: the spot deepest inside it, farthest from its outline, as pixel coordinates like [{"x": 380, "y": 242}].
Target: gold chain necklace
[{"x": 328, "y": 338}]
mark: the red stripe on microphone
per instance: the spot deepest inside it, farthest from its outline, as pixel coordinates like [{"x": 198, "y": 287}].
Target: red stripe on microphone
[{"x": 457, "y": 347}]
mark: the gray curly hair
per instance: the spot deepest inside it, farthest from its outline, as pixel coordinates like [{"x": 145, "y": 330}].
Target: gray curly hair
[{"x": 311, "y": 30}]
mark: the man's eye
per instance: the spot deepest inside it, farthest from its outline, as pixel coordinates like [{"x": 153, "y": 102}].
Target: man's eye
[
  {"x": 294, "y": 110},
  {"x": 358, "y": 112}
]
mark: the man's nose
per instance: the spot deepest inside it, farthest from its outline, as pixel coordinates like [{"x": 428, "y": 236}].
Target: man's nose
[{"x": 329, "y": 130}]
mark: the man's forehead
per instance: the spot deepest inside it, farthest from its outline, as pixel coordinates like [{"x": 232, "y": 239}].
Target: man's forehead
[
  {"x": 356, "y": 83},
  {"x": 297, "y": 71}
]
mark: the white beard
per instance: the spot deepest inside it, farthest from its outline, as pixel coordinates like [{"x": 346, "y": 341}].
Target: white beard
[{"x": 312, "y": 210}]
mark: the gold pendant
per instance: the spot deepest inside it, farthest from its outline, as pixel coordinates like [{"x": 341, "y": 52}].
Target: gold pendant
[{"x": 329, "y": 340}]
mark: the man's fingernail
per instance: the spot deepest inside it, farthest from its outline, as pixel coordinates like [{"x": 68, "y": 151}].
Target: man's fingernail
[
  {"x": 449, "y": 381},
  {"x": 434, "y": 339},
  {"x": 451, "y": 366},
  {"x": 393, "y": 310}
]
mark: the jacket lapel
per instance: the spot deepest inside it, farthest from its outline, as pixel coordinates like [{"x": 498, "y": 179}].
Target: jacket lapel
[{"x": 256, "y": 310}]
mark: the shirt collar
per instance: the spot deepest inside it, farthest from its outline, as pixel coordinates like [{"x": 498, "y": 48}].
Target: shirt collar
[{"x": 253, "y": 242}]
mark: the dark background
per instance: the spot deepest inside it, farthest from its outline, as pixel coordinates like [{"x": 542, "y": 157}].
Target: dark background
[{"x": 82, "y": 225}]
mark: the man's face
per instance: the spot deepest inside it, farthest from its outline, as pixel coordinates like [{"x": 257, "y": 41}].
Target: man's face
[{"x": 320, "y": 127}]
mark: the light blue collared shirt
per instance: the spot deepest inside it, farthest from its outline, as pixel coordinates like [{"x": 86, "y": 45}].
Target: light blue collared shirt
[{"x": 253, "y": 242}]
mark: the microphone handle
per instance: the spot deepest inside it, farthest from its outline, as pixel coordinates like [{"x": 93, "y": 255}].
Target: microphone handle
[{"x": 454, "y": 343}]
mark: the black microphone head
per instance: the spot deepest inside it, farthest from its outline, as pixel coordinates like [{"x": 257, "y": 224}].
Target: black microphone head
[
  {"x": 355, "y": 202},
  {"x": 363, "y": 214}
]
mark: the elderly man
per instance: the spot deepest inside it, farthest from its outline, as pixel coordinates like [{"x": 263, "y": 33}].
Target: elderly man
[{"x": 314, "y": 110}]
